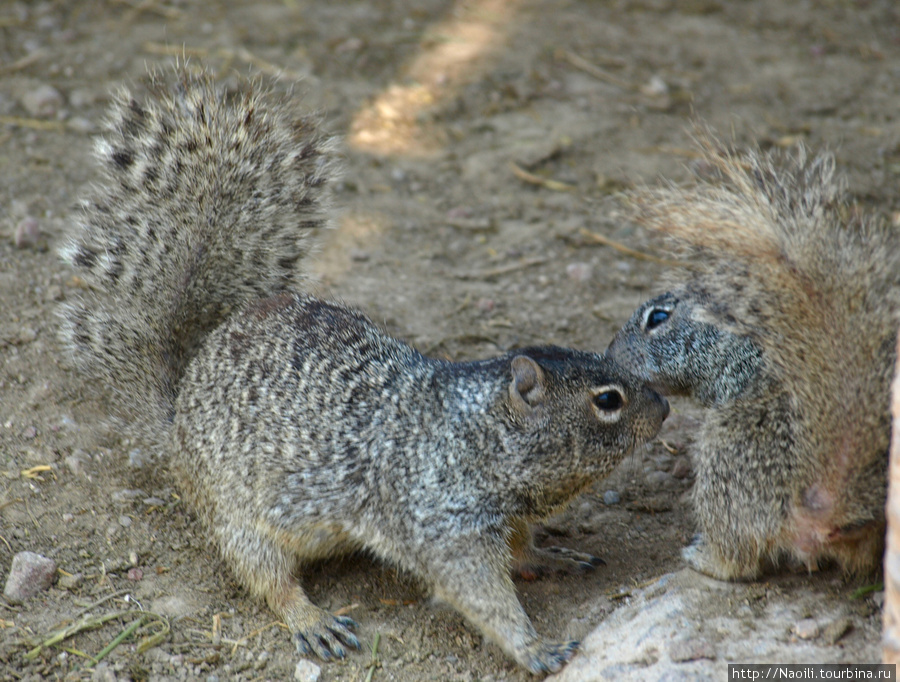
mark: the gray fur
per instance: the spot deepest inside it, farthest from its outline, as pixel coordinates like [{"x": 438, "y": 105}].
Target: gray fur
[
  {"x": 784, "y": 329},
  {"x": 297, "y": 429}
]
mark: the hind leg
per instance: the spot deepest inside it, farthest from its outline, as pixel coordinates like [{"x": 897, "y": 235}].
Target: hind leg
[{"x": 266, "y": 568}]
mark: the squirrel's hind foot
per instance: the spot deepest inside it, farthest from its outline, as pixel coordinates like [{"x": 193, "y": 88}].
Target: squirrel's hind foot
[{"x": 327, "y": 636}]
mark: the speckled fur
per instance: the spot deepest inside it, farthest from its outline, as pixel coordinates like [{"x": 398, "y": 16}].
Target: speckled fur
[
  {"x": 784, "y": 329},
  {"x": 296, "y": 428}
]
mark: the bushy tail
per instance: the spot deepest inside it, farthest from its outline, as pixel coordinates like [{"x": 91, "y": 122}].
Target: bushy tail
[
  {"x": 774, "y": 239},
  {"x": 208, "y": 199},
  {"x": 780, "y": 255}
]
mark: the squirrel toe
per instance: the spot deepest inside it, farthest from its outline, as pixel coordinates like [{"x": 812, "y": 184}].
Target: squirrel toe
[
  {"x": 550, "y": 657},
  {"x": 548, "y": 560},
  {"x": 328, "y": 637}
]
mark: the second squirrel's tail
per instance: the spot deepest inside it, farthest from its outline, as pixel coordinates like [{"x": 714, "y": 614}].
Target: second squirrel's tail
[{"x": 209, "y": 199}]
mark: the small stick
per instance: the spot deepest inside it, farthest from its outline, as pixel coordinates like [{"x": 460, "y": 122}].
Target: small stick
[
  {"x": 33, "y": 123},
  {"x": 503, "y": 269},
  {"x": 127, "y": 632},
  {"x": 533, "y": 179},
  {"x": 24, "y": 62},
  {"x": 583, "y": 64},
  {"x": 640, "y": 255}
]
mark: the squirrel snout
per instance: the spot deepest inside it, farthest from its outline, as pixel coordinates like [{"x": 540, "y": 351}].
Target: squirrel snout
[{"x": 653, "y": 396}]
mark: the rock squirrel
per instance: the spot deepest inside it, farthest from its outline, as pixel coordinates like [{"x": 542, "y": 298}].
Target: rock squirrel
[
  {"x": 783, "y": 329},
  {"x": 296, "y": 428}
]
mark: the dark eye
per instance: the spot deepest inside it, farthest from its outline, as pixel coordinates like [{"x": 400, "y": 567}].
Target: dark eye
[
  {"x": 609, "y": 401},
  {"x": 656, "y": 317}
]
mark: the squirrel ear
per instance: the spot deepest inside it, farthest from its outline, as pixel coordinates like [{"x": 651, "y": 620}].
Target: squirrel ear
[{"x": 526, "y": 390}]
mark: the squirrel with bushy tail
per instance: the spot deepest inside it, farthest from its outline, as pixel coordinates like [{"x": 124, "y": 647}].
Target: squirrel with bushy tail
[
  {"x": 783, "y": 327},
  {"x": 295, "y": 427}
]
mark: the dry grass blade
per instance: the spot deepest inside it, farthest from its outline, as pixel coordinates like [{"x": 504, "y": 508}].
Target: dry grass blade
[
  {"x": 82, "y": 625},
  {"x": 533, "y": 179},
  {"x": 583, "y": 64},
  {"x": 33, "y": 123},
  {"x": 24, "y": 62},
  {"x": 621, "y": 248},
  {"x": 375, "y": 662},
  {"x": 36, "y": 471},
  {"x": 503, "y": 269}
]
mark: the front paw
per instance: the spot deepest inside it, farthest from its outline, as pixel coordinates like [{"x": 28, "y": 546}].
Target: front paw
[
  {"x": 539, "y": 562},
  {"x": 327, "y": 637},
  {"x": 549, "y": 657}
]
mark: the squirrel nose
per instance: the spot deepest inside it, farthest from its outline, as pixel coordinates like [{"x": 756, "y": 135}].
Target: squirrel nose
[{"x": 658, "y": 398}]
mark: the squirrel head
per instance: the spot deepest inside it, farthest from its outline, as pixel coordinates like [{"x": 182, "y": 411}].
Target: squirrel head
[
  {"x": 681, "y": 344},
  {"x": 578, "y": 412}
]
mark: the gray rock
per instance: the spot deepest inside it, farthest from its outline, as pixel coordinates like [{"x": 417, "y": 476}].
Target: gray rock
[
  {"x": 43, "y": 101},
  {"x": 306, "y": 671},
  {"x": 28, "y": 233},
  {"x": 686, "y": 626},
  {"x": 611, "y": 497},
  {"x": 29, "y": 574}
]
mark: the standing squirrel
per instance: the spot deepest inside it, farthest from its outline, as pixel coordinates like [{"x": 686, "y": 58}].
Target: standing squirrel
[
  {"x": 296, "y": 428},
  {"x": 784, "y": 330}
]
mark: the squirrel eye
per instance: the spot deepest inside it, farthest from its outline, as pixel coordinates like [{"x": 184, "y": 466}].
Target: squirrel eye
[
  {"x": 609, "y": 401},
  {"x": 656, "y": 317}
]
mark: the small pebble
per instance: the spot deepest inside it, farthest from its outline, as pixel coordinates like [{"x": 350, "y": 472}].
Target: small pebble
[
  {"x": 173, "y": 606},
  {"x": 28, "y": 232},
  {"x": 655, "y": 87},
  {"x": 103, "y": 673},
  {"x": 80, "y": 124},
  {"x": 77, "y": 461},
  {"x": 611, "y": 497},
  {"x": 358, "y": 255},
  {"x": 306, "y": 671},
  {"x": 485, "y": 305},
  {"x": 125, "y": 521},
  {"x": 806, "y": 629},
  {"x": 43, "y": 101},
  {"x": 29, "y": 574},
  {"x": 579, "y": 272},
  {"x": 135, "y": 574},
  {"x": 29, "y": 433},
  {"x": 155, "y": 502}
]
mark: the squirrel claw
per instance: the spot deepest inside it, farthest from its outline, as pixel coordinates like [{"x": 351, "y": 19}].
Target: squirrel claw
[
  {"x": 551, "y": 657},
  {"x": 553, "y": 559},
  {"x": 328, "y": 638}
]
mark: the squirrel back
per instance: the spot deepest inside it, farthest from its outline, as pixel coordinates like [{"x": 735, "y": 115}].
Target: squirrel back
[
  {"x": 295, "y": 427},
  {"x": 784, "y": 327},
  {"x": 209, "y": 199}
]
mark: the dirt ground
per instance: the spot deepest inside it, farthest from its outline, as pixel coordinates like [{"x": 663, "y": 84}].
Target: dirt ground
[{"x": 483, "y": 141}]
